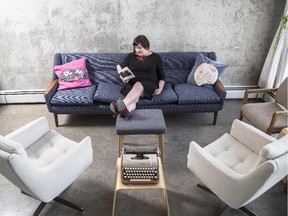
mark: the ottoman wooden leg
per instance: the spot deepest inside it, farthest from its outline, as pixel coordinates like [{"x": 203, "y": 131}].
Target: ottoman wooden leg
[
  {"x": 120, "y": 144},
  {"x": 160, "y": 138}
]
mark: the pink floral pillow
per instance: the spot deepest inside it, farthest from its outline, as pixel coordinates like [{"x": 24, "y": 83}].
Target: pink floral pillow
[{"x": 73, "y": 74}]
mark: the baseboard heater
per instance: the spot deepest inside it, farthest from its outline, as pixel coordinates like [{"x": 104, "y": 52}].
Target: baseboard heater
[
  {"x": 237, "y": 92},
  {"x": 22, "y": 96},
  {"x": 37, "y": 95}
]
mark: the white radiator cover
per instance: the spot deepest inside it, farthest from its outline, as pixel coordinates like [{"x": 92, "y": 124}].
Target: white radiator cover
[{"x": 22, "y": 96}]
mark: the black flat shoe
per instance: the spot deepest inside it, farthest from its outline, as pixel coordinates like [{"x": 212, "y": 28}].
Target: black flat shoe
[
  {"x": 114, "y": 109},
  {"x": 122, "y": 109}
]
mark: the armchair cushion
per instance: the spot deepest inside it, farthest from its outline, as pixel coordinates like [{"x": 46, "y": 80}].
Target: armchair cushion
[
  {"x": 45, "y": 151},
  {"x": 226, "y": 147},
  {"x": 11, "y": 147},
  {"x": 260, "y": 115}
]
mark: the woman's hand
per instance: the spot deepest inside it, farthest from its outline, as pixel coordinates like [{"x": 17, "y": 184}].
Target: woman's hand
[
  {"x": 124, "y": 81},
  {"x": 159, "y": 90}
]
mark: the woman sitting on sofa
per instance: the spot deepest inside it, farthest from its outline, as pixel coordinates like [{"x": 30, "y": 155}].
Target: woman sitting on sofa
[{"x": 149, "y": 80}]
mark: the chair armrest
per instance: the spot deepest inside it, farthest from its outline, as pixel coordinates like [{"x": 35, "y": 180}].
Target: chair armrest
[
  {"x": 282, "y": 133},
  {"x": 225, "y": 182},
  {"x": 221, "y": 91},
  {"x": 50, "y": 92},
  {"x": 274, "y": 119},
  {"x": 48, "y": 182},
  {"x": 257, "y": 91},
  {"x": 30, "y": 133},
  {"x": 250, "y": 136}
]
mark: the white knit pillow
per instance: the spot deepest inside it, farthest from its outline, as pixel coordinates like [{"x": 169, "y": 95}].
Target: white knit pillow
[
  {"x": 11, "y": 147},
  {"x": 275, "y": 149}
]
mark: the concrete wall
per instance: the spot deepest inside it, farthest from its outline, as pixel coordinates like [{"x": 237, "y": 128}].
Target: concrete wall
[{"x": 31, "y": 31}]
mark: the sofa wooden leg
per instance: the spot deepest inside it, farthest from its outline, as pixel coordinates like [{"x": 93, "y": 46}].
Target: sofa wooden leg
[
  {"x": 215, "y": 117},
  {"x": 56, "y": 120}
]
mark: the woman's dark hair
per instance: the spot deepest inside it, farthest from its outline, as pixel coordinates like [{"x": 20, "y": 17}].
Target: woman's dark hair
[{"x": 142, "y": 39}]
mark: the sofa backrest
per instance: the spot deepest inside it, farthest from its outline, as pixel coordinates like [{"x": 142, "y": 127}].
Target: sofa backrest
[
  {"x": 177, "y": 65},
  {"x": 102, "y": 66}
]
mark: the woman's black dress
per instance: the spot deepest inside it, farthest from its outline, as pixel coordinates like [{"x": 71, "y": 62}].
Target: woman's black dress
[{"x": 147, "y": 71}]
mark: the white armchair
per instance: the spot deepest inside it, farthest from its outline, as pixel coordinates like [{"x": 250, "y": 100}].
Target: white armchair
[
  {"x": 42, "y": 163},
  {"x": 240, "y": 166}
]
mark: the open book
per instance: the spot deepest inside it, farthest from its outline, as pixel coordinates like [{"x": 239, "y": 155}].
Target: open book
[{"x": 125, "y": 73}]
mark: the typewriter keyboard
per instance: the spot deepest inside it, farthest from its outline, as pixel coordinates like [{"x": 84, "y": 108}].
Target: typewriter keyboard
[{"x": 138, "y": 175}]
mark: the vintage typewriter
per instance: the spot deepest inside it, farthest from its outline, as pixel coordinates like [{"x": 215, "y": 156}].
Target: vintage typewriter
[{"x": 140, "y": 165}]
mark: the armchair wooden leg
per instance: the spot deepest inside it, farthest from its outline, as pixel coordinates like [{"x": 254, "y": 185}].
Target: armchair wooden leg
[{"x": 241, "y": 116}]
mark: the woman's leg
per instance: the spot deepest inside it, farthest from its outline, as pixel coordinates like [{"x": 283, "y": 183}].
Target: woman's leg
[
  {"x": 128, "y": 104},
  {"x": 133, "y": 96}
]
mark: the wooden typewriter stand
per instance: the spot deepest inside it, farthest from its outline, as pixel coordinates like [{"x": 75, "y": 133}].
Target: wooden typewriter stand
[{"x": 120, "y": 186}]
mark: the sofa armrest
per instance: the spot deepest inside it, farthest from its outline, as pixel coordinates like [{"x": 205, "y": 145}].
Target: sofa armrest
[
  {"x": 51, "y": 86},
  {"x": 221, "y": 91},
  {"x": 50, "y": 92}
]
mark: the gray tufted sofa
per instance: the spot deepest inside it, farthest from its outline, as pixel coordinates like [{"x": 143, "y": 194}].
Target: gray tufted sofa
[{"x": 177, "y": 96}]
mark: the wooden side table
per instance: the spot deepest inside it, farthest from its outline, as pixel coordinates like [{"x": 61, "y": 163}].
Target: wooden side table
[{"x": 120, "y": 186}]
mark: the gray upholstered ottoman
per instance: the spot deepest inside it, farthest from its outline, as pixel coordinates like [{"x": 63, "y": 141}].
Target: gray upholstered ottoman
[{"x": 142, "y": 121}]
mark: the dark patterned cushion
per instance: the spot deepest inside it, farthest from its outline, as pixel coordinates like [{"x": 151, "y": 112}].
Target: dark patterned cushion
[
  {"x": 189, "y": 93},
  {"x": 167, "y": 96},
  {"x": 75, "y": 96},
  {"x": 108, "y": 92}
]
